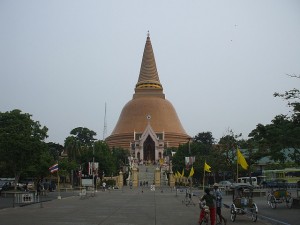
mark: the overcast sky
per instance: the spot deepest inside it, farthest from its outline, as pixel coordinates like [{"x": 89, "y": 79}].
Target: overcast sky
[{"x": 219, "y": 61}]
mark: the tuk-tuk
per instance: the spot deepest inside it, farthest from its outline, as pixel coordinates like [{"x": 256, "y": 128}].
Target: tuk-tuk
[{"x": 242, "y": 201}]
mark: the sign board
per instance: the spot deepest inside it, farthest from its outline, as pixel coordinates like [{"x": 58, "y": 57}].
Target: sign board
[
  {"x": 27, "y": 198},
  {"x": 87, "y": 182}
]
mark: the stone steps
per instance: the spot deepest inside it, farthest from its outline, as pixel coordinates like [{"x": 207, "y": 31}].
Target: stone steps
[{"x": 146, "y": 173}]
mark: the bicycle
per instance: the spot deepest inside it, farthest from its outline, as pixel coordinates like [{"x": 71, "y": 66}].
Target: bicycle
[
  {"x": 188, "y": 199},
  {"x": 206, "y": 218}
]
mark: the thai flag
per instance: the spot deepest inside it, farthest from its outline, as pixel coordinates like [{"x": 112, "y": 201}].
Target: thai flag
[{"x": 53, "y": 168}]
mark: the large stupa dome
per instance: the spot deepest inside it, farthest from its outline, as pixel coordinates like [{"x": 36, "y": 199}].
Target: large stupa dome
[{"x": 148, "y": 111}]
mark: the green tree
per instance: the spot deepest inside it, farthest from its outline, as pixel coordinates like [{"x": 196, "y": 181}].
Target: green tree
[
  {"x": 104, "y": 156},
  {"x": 227, "y": 145},
  {"x": 179, "y": 157},
  {"x": 120, "y": 157},
  {"x": 73, "y": 148},
  {"x": 79, "y": 144},
  {"x": 205, "y": 138},
  {"x": 283, "y": 132},
  {"x": 21, "y": 141},
  {"x": 55, "y": 150},
  {"x": 84, "y": 135},
  {"x": 194, "y": 148}
]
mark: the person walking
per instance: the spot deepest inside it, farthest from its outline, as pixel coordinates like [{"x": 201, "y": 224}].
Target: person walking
[
  {"x": 38, "y": 188},
  {"x": 218, "y": 194},
  {"x": 103, "y": 186},
  {"x": 210, "y": 202}
]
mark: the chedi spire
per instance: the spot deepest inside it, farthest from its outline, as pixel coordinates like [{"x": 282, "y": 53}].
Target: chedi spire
[{"x": 148, "y": 81}]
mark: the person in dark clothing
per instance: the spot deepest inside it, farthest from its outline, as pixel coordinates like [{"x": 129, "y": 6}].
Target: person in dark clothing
[
  {"x": 210, "y": 202},
  {"x": 25, "y": 186},
  {"x": 38, "y": 188}
]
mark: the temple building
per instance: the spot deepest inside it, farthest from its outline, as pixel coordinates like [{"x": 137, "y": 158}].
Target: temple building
[{"x": 148, "y": 124}]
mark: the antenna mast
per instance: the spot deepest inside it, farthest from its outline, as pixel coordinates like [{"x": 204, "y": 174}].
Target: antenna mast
[{"x": 105, "y": 125}]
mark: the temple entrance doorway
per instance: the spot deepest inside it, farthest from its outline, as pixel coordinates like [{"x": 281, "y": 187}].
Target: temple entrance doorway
[{"x": 149, "y": 149}]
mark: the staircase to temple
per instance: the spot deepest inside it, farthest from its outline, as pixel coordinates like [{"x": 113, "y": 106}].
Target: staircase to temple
[{"x": 146, "y": 174}]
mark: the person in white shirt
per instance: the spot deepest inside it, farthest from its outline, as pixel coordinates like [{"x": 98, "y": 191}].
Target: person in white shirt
[{"x": 218, "y": 194}]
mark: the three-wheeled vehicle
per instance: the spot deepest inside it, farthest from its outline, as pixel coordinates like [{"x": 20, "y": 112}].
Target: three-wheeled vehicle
[
  {"x": 242, "y": 201},
  {"x": 279, "y": 194}
]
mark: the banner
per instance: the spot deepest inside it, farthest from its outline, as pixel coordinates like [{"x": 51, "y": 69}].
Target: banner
[
  {"x": 189, "y": 160},
  {"x": 91, "y": 168}
]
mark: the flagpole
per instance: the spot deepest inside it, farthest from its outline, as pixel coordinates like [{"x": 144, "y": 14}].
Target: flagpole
[
  {"x": 203, "y": 176},
  {"x": 191, "y": 177},
  {"x": 237, "y": 165},
  {"x": 58, "y": 197}
]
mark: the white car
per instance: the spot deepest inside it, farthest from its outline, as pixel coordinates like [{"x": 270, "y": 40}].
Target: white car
[{"x": 226, "y": 184}]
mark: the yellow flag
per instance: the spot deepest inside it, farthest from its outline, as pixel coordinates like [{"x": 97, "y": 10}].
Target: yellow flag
[
  {"x": 182, "y": 175},
  {"x": 192, "y": 172},
  {"x": 206, "y": 167},
  {"x": 241, "y": 160},
  {"x": 161, "y": 161},
  {"x": 175, "y": 175}
]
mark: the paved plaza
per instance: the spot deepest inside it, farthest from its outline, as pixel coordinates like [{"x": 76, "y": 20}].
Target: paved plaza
[{"x": 125, "y": 206}]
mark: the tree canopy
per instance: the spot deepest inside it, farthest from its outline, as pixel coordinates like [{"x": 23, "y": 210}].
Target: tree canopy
[{"x": 21, "y": 142}]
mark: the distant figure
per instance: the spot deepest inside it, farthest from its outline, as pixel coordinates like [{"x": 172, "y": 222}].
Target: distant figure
[
  {"x": 103, "y": 186},
  {"x": 38, "y": 188},
  {"x": 217, "y": 193},
  {"x": 25, "y": 187},
  {"x": 130, "y": 184}
]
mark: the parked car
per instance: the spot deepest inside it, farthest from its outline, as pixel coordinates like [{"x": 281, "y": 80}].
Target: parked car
[
  {"x": 226, "y": 184},
  {"x": 4, "y": 185}
]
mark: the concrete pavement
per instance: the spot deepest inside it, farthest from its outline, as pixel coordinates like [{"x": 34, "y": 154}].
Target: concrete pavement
[{"x": 116, "y": 207}]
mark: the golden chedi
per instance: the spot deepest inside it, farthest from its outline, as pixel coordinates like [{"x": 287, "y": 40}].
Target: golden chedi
[{"x": 148, "y": 123}]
